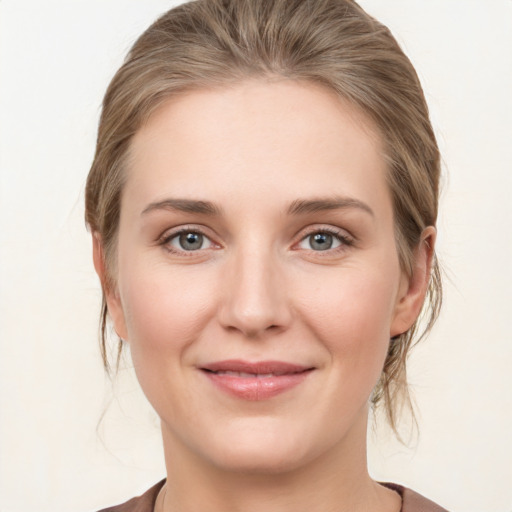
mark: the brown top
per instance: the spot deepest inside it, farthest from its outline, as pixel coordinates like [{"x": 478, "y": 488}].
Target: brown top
[{"x": 411, "y": 501}]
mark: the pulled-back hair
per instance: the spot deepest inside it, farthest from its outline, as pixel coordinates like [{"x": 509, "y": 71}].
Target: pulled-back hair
[{"x": 335, "y": 43}]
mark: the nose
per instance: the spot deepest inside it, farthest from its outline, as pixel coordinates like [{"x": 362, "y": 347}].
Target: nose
[{"x": 255, "y": 295}]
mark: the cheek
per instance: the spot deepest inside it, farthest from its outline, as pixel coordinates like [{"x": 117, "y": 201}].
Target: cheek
[
  {"x": 352, "y": 314},
  {"x": 165, "y": 308},
  {"x": 165, "y": 312}
]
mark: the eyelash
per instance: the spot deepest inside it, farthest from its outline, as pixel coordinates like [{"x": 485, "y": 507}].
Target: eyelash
[
  {"x": 341, "y": 236},
  {"x": 344, "y": 239},
  {"x": 166, "y": 239}
]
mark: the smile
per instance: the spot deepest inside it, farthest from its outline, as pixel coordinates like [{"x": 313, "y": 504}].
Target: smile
[
  {"x": 246, "y": 375},
  {"x": 255, "y": 381}
]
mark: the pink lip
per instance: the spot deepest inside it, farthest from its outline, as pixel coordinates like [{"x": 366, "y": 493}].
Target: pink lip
[{"x": 269, "y": 378}]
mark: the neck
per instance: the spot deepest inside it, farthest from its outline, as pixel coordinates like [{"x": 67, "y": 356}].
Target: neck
[{"x": 335, "y": 481}]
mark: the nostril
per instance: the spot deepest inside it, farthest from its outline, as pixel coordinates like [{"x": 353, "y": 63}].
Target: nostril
[{"x": 254, "y": 306}]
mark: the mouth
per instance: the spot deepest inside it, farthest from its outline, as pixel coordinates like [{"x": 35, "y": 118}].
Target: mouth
[{"x": 255, "y": 381}]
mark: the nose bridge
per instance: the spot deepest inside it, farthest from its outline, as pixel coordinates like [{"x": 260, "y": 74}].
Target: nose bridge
[{"x": 255, "y": 294}]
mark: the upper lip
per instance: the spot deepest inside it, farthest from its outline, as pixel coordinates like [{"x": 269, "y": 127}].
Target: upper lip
[{"x": 257, "y": 368}]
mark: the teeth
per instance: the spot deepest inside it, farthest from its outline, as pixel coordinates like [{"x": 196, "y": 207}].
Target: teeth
[{"x": 246, "y": 375}]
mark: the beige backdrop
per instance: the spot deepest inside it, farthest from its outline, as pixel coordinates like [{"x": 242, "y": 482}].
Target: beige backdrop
[{"x": 55, "y": 62}]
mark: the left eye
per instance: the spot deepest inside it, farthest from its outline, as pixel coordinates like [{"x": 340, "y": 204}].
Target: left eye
[
  {"x": 321, "y": 241},
  {"x": 189, "y": 241}
]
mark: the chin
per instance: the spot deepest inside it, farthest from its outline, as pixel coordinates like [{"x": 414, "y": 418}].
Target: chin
[
  {"x": 260, "y": 448},
  {"x": 258, "y": 460}
]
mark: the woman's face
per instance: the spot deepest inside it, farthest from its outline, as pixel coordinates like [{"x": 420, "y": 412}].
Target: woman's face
[{"x": 258, "y": 281}]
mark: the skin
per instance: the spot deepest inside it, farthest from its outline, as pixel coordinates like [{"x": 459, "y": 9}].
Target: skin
[{"x": 260, "y": 289}]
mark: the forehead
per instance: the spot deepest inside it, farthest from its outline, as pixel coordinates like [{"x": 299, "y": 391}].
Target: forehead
[{"x": 282, "y": 139}]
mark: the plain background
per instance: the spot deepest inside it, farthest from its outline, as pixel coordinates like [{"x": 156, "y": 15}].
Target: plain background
[{"x": 56, "y": 58}]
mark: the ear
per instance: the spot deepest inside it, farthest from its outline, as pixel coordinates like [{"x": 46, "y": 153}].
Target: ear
[
  {"x": 110, "y": 292},
  {"x": 413, "y": 288}
]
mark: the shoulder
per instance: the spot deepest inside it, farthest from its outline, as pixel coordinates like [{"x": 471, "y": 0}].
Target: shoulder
[
  {"x": 414, "y": 502},
  {"x": 411, "y": 501},
  {"x": 143, "y": 503}
]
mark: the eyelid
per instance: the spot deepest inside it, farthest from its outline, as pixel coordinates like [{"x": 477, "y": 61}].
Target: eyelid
[
  {"x": 345, "y": 238},
  {"x": 169, "y": 234}
]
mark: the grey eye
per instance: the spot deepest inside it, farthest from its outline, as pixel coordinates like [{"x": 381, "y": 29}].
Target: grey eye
[
  {"x": 190, "y": 241},
  {"x": 320, "y": 241}
]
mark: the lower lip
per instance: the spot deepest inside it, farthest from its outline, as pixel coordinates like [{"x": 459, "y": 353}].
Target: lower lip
[{"x": 256, "y": 388}]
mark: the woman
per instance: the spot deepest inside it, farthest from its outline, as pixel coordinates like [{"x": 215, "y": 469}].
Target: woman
[{"x": 263, "y": 202}]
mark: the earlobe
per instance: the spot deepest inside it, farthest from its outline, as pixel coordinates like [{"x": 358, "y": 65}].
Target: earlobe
[
  {"x": 414, "y": 288},
  {"x": 110, "y": 292}
]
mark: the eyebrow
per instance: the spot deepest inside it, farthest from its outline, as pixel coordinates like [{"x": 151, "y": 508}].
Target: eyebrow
[
  {"x": 303, "y": 206},
  {"x": 184, "y": 205},
  {"x": 297, "y": 207}
]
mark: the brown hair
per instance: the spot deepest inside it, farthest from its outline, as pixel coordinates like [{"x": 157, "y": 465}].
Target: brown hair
[{"x": 335, "y": 43}]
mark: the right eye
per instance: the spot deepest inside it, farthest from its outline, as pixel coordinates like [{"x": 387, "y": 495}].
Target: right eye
[
  {"x": 321, "y": 241},
  {"x": 187, "y": 241}
]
